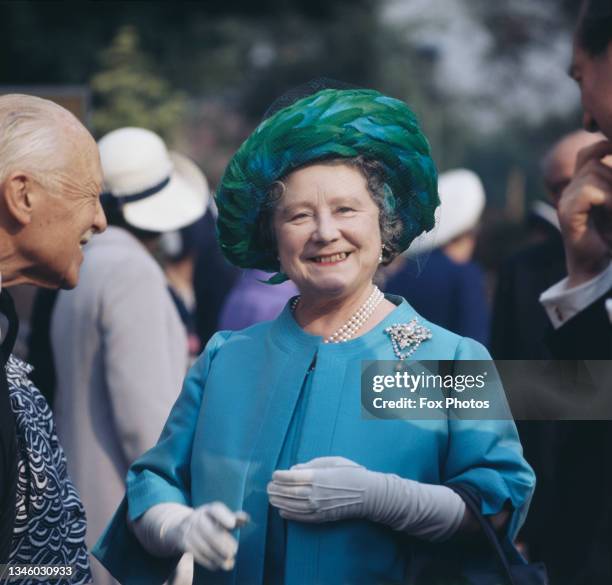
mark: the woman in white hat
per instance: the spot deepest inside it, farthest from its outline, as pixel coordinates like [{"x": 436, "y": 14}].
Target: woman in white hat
[{"x": 120, "y": 347}]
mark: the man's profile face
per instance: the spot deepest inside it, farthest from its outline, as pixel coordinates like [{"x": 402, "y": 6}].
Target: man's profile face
[
  {"x": 69, "y": 214},
  {"x": 594, "y": 77},
  {"x": 559, "y": 165}
]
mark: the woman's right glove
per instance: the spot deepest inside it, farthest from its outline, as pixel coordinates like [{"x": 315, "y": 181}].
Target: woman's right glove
[{"x": 172, "y": 529}]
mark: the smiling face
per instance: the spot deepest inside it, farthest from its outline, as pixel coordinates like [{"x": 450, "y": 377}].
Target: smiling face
[
  {"x": 67, "y": 212},
  {"x": 327, "y": 231}
]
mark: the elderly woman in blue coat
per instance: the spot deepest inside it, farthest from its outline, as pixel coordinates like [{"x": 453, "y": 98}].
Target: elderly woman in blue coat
[{"x": 266, "y": 470}]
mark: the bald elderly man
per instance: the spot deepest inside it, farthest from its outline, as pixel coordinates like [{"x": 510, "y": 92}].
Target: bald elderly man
[
  {"x": 50, "y": 181},
  {"x": 520, "y": 322}
]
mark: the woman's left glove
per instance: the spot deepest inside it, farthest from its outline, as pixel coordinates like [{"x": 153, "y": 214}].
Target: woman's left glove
[{"x": 327, "y": 489}]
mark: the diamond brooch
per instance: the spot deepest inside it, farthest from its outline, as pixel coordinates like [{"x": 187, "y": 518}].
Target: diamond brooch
[{"x": 407, "y": 337}]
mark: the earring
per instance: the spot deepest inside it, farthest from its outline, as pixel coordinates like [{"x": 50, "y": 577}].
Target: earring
[{"x": 380, "y": 256}]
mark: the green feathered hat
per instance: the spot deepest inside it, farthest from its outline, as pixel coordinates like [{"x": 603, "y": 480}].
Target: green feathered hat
[{"x": 328, "y": 124}]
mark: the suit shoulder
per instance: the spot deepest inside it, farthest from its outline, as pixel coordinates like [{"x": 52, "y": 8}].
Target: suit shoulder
[{"x": 535, "y": 257}]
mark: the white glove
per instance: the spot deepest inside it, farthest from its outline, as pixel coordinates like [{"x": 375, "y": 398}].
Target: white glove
[
  {"x": 334, "y": 488},
  {"x": 171, "y": 529}
]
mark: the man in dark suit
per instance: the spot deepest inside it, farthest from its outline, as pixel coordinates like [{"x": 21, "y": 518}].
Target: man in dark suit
[
  {"x": 580, "y": 306},
  {"x": 519, "y": 320},
  {"x": 50, "y": 181},
  {"x": 555, "y": 449},
  {"x": 570, "y": 526}
]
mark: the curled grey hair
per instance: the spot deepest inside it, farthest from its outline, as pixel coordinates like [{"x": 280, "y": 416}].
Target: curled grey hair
[
  {"x": 29, "y": 136},
  {"x": 390, "y": 224}
]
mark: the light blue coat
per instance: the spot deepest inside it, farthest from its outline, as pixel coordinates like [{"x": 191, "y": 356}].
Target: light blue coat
[{"x": 225, "y": 432}]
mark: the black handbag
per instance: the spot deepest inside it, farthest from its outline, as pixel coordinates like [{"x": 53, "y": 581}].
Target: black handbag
[{"x": 461, "y": 563}]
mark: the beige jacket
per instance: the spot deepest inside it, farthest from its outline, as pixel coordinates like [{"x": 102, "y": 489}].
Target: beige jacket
[{"x": 120, "y": 352}]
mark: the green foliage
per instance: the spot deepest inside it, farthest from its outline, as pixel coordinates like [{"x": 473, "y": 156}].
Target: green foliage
[
  {"x": 239, "y": 55},
  {"x": 255, "y": 60},
  {"x": 129, "y": 92}
]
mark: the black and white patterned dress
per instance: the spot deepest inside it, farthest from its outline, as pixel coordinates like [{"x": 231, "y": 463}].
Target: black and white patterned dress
[{"x": 50, "y": 519}]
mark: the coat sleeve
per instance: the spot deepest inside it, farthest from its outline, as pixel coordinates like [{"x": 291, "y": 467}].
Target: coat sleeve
[
  {"x": 162, "y": 474},
  {"x": 487, "y": 454}
]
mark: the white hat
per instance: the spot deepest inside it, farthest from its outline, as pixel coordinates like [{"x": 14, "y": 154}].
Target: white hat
[
  {"x": 157, "y": 190},
  {"x": 462, "y": 201}
]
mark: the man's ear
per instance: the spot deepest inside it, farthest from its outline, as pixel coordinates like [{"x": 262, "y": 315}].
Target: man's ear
[{"x": 18, "y": 196}]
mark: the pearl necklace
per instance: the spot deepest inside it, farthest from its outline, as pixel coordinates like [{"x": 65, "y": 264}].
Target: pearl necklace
[{"x": 356, "y": 322}]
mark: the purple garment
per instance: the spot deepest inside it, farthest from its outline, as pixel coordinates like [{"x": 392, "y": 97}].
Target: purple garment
[{"x": 252, "y": 301}]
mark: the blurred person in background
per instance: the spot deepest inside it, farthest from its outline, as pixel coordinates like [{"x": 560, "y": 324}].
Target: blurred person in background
[
  {"x": 213, "y": 277},
  {"x": 252, "y": 300},
  {"x": 178, "y": 253},
  {"x": 119, "y": 346},
  {"x": 519, "y": 321},
  {"x": 50, "y": 182},
  {"x": 445, "y": 285}
]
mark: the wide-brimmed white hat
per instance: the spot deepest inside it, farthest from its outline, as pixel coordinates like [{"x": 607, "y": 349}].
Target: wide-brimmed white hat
[
  {"x": 462, "y": 201},
  {"x": 158, "y": 190}
]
